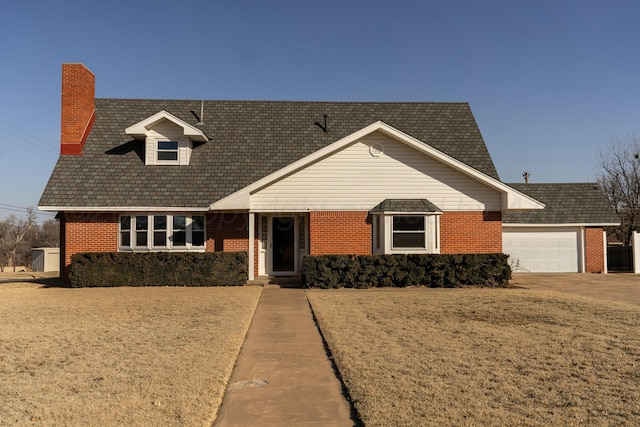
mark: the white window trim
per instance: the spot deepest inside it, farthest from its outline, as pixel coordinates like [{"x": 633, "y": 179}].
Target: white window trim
[
  {"x": 150, "y": 247},
  {"x": 385, "y": 222},
  {"x": 185, "y": 147},
  {"x": 157, "y": 152}
]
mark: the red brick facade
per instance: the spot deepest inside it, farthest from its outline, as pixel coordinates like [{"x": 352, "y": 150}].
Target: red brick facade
[
  {"x": 78, "y": 107},
  {"x": 471, "y": 232},
  {"x": 227, "y": 232},
  {"x": 340, "y": 232},
  {"x": 86, "y": 232},
  {"x": 332, "y": 232},
  {"x": 594, "y": 250}
]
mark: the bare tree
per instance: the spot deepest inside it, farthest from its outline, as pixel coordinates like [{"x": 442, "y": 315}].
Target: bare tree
[
  {"x": 619, "y": 177},
  {"x": 12, "y": 236},
  {"x": 48, "y": 235}
]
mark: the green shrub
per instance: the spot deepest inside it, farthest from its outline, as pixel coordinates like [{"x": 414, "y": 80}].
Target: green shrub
[
  {"x": 99, "y": 269},
  {"x": 432, "y": 270}
]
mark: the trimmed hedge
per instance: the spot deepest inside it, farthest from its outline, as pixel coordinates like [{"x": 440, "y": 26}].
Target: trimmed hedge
[
  {"x": 99, "y": 269},
  {"x": 432, "y": 270}
]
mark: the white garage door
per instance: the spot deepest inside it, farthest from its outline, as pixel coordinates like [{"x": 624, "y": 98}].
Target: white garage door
[{"x": 542, "y": 251}]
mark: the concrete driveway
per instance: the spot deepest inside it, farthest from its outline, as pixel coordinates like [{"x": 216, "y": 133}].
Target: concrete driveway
[{"x": 617, "y": 287}]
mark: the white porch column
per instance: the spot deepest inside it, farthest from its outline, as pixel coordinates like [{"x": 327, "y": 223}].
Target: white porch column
[
  {"x": 583, "y": 254},
  {"x": 252, "y": 255},
  {"x": 604, "y": 243},
  {"x": 635, "y": 242}
]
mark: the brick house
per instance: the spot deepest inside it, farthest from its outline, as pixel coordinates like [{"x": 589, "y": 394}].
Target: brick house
[{"x": 279, "y": 179}]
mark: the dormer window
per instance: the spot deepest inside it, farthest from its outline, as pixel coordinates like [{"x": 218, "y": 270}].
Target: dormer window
[
  {"x": 167, "y": 152},
  {"x": 168, "y": 139}
]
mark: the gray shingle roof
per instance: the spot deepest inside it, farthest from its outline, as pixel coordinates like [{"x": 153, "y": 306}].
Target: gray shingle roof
[
  {"x": 578, "y": 203},
  {"x": 405, "y": 205},
  {"x": 249, "y": 140}
]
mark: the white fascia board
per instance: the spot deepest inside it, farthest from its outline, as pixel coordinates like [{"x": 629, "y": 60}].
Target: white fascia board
[
  {"x": 511, "y": 199},
  {"x": 141, "y": 129},
  {"x": 406, "y": 213},
  {"x": 547, "y": 225},
  {"x": 119, "y": 209}
]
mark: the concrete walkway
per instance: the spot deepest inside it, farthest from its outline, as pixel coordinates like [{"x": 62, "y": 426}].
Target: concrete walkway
[{"x": 283, "y": 376}]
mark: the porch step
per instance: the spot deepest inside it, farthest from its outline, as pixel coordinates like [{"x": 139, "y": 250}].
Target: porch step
[{"x": 283, "y": 282}]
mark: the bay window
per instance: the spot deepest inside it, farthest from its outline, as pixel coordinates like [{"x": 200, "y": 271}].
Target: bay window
[{"x": 406, "y": 233}]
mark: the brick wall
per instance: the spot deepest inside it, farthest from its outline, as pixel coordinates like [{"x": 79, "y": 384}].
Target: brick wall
[
  {"x": 78, "y": 107},
  {"x": 338, "y": 232},
  {"x": 471, "y": 232},
  {"x": 86, "y": 232},
  {"x": 227, "y": 232},
  {"x": 594, "y": 250}
]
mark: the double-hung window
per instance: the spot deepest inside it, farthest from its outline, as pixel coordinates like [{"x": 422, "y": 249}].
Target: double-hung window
[
  {"x": 161, "y": 232},
  {"x": 409, "y": 232},
  {"x": 399, "y": 233},
  {"x": 167, "y": 151}
]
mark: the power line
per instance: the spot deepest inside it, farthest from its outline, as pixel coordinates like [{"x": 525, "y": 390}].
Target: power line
[
  {"x": 34, "y": 145},
  {"x": 28, "y": 137},
  {"x": 21, "y": 209}
]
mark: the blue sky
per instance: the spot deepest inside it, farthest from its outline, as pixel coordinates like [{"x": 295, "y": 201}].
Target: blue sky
[{"x": 549, "y": 82}]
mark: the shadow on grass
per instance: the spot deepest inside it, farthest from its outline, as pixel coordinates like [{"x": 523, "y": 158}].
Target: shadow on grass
[{"x": 49, "y": 282}]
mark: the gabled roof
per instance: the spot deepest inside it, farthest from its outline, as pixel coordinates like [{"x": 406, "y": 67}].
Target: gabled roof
[
  {"x": 141, "y": 129},
  {"x": 566, "y": 204},
  {"x": 249, "y": 140},
  {"x": 511, "y": 199},
  {"x": 405, "y": 206}
]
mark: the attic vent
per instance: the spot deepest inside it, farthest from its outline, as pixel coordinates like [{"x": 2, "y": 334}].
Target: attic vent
[{"x": 324, "y": 128}]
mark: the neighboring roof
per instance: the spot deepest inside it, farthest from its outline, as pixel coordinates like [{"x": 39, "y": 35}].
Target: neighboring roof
[
  {"x": 405, "y": 206},
  {"x": 576, "y": 204},
  {"x": 248, "y": 140}
]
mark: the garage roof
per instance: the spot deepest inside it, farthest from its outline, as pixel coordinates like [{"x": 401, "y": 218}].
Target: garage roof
[{"x": 575, "y": 204}]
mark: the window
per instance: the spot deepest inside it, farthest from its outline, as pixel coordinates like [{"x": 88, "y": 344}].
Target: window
[
  {"x": 197, "y": 231},
  {"x": 167, "y": 151},
  {"x": 179, "y": 230},
  {"x": 408, "y": 232},
  {"x": 142, "y": 228},
  {"x": 162, "y": 232},
  {"x": 302, "y": 233},
  {"x": 125, "y": 230}
]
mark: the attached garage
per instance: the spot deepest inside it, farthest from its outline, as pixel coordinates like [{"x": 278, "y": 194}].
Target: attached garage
[
  {"x": 543, "y": 250},
  {"x": 567, "y": 236}
]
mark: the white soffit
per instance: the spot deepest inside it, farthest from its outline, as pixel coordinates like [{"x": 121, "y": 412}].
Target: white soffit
[
  {"x": 141, "y": 129},
  {"x": 511, "y": 199}
]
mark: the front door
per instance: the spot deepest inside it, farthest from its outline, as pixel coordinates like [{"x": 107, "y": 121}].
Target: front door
[{"x": 283, "y": 254}]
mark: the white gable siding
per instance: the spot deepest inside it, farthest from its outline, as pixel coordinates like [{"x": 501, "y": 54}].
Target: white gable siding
[
  {"x": 167, "y": 131},
  {"x": 370, "y": 170}
]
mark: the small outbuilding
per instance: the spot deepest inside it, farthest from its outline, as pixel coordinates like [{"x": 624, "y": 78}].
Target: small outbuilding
[{"x": 45, "y": 259}]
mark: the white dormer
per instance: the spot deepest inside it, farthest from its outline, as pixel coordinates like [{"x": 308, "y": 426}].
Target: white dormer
[{"x": 168, "y": 139}]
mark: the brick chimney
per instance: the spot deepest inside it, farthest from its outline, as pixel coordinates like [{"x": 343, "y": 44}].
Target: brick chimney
[{"x": 78, "y": 107}]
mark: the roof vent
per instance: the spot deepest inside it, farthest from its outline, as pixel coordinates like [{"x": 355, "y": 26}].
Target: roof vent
[
  {"x": 201, "y": 116},
  {"x": 324, "y": 128}
]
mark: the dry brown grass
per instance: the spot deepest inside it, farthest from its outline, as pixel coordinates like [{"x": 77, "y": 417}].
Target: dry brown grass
[
  {"x": 122, "y": 356},
  {"x": 483, "y": 357}
]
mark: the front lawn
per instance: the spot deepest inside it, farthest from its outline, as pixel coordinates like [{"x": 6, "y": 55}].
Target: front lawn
[
  {"x": 483, "y": 356},
  {"x": 118, "y": 356}
]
